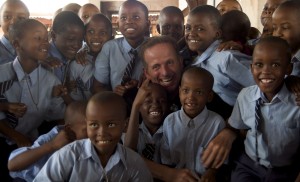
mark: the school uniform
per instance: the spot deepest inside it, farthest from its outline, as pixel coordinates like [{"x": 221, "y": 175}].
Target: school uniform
[
  {"x": 112, "y": 61},
  {"x": 184, "y": 139},
  {"x": 83, "y": 76},
  {"x": 145, "y": 138},
  {"x": 79, "y": 161},
  {"x": 62, "y": 71},
  {"x": 30, "y": 172},
  {"x": 273, "y": 149},
  {"x": 7, "y": 51},
  {"x": 296, "y": 64}
]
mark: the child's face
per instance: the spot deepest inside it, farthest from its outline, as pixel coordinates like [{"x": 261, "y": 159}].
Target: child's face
[
  {"x": 79, "y": 128},
  {"x": 86, "y": 12},
  {"x": 228, "y": 5},
  {"x": 132, "y": 21},
  {"x": 268, "y": 9},
  {"x": 163, "y": 66},
  {"x": 269, "y": 67},
  {"x": 172, "y": 25},
  {"x": 69, "y": 41},
  {"x": 34, "y": 44},
  {"x": 200, "y": 32},
  {"x": 11, "y": 13},
  {"x": 155, "y": 106},
  {"x": 97, "y": 33},
  {"x": 105, "y": 128},
  {"x": 194, "y": 94},
  {"x": 286, "y": 25}
]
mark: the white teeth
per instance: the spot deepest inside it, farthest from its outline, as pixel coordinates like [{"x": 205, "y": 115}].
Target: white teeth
[
  {"x": 44, "y": 50},
  {"x": 193, "y": 41},
  {"x": 96, "y": 44},
  {"x": 190, "y": 105},
  {"x": 130, "y": 29},
  {"x": 155, "y": 113},
  {"x": 103, "y": 141},
  {"x": 266, "y": 80}
]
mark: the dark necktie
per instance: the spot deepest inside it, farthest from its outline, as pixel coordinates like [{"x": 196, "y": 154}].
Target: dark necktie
[
  {"x": 258, "y": 124},
  {"x": 148, "y": 151},
  {"x": 129, "y": 68}
]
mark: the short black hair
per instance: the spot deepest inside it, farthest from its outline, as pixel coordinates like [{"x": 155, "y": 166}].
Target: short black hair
[
  {"x": 138, "y": 3},
  {"x": 171, "y": 10},
  {"x": 210, "y": 11},
  {"x": 14, "y": 1},
  {"x": 278, "y": 41},
  {"x": 18, "y": 29},
  {"x": 65, "y": 19},
  {"x": 152, "y": 41},
  {"x": 200, "y": 72},
  {"x": 100, "y": 16}
]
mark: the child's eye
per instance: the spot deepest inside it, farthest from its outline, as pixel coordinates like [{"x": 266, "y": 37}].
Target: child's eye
[
  {"x": 187, "y": 28},
  {"x": 199, "y": 29},
  {"x": 111, "y": 125},
  {"x": 185, "y": 90},
  {"x": 258, "y": 65},
  {"x": 123, "y": 18},
  {"x": 200, "y": 92},
  {"x": 155, "y": 67},
  {"x": 275, "y": 65},
  {"x": 7, "y": 17},
  {"x": 91, "y": 31},
  {"x": 102, "y": 33},
  {"x": 93, "y": 125},
  {"x": 136, "y": 17},
  {"x": 21, "y": 18},
  {"x": 86, "y": 16}
]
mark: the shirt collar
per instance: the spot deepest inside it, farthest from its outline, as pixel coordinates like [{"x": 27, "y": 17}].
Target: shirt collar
[
  {"x": 21, "y": 74},
  {"x": 207, "y": 53},
  {"x": 282, "y": 95},
  {"x": 296, "y": 57},
  {"x": 54, "y": 52},
  {"x": 90, "y": 152},
  {"x": 8, "y": 45},
  {"x": 198, "y": 120},
  {"x": 145, "y": 129},
  {"x": 127, "y": 47}
]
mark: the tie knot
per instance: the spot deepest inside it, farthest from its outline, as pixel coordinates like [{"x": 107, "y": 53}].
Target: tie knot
[{"x": 133, "y": 53}]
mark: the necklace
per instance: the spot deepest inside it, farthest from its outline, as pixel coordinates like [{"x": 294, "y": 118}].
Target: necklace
[{"x": 38, "y": 89}]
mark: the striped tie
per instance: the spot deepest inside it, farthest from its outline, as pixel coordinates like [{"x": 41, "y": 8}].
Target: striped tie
[
  {"x": 4, "y": 86},
  {"x": 148, "y": 151},
  {"x": 258, "y": 121},
  {"x": 129, "y": 68}
]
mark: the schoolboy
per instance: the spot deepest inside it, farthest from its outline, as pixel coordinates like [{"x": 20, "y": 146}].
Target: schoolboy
[
  {"x": 10, "y": 12},
  {"x": 188, "y": 131},
  {"x": 145, "y": 138},
  {"x": 87, "y": 11},
  {"x": 100, "y": 156},
  {"x": 26, "y": 162},
  {"x": 98, "y": 30},
  {"x": 74, "y": 7},
  {"x": 67, "y": 36},
  {"x": 171, "y": 22},
  {"x": 202, "y": 32},
  {"x": 286, "y": 26},
  {"x": 270, "y": 114},
  {"x": 119, "y": 55},
  {"x": 25, "y": 81},
  {"x": 227, "y": 5}
]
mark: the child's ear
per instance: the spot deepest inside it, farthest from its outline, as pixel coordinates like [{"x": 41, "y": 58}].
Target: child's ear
[
  {"x": 16, "y": 44},
  {"x": 289, "y": 69},
  {"x": 158, "y": 28},
  {"x": 218, "y": 34},
  {"x": 53, "y": 35},
  {"x": 210, "y": 96}
]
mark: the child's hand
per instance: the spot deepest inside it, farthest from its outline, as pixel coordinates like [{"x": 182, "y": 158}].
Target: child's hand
[
  {"x": 64, "y": 137},
  {"x": 22, "y": 140},
  {"x": 59, "y": 90},
  {"x": 209, "y": 176},
  {"x": 81, "y": 57},
  {"x": 71, "y": 85},
  {"x": 142, "y": 93},
  {"x": 230, "y": 45},
  {"x": 51, "y": 62},
  {"x": 18, "y": 109},
  {"x": 122, "y": 89}
]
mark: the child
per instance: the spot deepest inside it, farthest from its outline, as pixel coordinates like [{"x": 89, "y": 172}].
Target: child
[
  {"x": 67, "y": 36},
  {"x": 87, "y": 11},
  {"x": 228, "y": 5},
  {"x": 202, "y": 32},
  {"x": 26, "y": 162},
  {"x": 25, "y": 81},
  {"x": 100, "y": 157},
  {"x": 74, "y": 7},
  {"x": 171, "y": 22},
  {"x": 235, "y": 26},
  {"x": 270, "y": 114},
  {"x": 10, "y": 12},
  {"x": 286, "y": 26},
  {"x": 188, "y": 131},
  {"x": 113, "y": 71},
  {"x": 151, "y": 103},
  {"x": 98, "y": 30}
]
